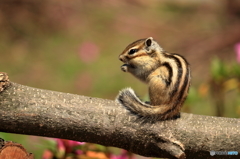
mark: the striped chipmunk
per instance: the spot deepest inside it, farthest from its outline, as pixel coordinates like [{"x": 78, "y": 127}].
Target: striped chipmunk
[{"x": 167, "y": 76}]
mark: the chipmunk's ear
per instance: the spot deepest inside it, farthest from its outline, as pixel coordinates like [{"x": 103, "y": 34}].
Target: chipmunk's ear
[{"x": 149, "y": 41}]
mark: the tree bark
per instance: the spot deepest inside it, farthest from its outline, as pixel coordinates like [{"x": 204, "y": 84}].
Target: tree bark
[{"x": 33, "y": 111}]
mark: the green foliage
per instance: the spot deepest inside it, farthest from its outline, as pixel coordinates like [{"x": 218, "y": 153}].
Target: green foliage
[
  {"x": 221, "y": 71},
  {"x": 218, "y": 69}
]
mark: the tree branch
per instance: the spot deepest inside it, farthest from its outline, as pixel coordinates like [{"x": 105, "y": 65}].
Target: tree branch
[{"x": 32, "y": 111}]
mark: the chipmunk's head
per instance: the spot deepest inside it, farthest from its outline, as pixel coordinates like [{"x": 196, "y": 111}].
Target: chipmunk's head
[
  {"x": 142, "y": 47},
  {"x": 141, "y": 53}
]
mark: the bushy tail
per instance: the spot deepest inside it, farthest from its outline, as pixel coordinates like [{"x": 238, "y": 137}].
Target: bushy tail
[{"x": 128, "y": 99}]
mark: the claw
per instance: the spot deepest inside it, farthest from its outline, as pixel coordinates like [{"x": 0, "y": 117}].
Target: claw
[{"x": 124, "y": 67}]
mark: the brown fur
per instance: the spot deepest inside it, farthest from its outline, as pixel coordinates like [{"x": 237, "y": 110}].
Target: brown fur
[{"x": 167, "y": 76}]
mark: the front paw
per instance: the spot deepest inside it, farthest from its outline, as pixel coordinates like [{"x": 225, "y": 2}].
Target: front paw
[{"x": 124, "y": 68}]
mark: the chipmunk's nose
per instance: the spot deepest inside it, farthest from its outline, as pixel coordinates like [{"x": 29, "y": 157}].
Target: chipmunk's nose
[{"x": 121, "y": 58}]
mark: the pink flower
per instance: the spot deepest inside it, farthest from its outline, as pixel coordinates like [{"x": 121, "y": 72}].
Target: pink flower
[
  {"x": 88, "y": 52},
  {"x": 72, "y": 143},
  {"x": 78, "y": 152},
  {"x": 61, "y": 149},
  {"x": 67, "y": 145},
  {"x": 60, "y": 144},
  {"x": 237, "y": 49}
]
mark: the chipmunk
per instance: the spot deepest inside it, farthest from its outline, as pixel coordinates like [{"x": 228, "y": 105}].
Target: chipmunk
[{"x": 167, "y": 76}]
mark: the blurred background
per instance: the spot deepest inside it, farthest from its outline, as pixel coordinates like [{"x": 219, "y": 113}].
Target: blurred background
[{"x": 73, "y": 46}]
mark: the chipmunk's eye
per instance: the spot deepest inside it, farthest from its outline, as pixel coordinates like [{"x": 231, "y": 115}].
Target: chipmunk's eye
[{"x": 132, "y": 51}]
